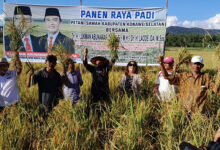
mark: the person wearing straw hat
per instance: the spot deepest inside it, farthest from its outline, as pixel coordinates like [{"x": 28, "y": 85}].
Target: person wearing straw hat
[
  {"x": 100, "y": 84},
  {"x": 54, "y": 36},
  {"x": 74, "y": 81},
  {"x": 193, "y": 86},
  {"x": 30, "y": 43},
  {"x": 163, "y": 90},
  {"x": 9, "y": 90}
]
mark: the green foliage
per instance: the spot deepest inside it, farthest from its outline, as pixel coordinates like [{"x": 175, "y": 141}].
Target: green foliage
[{"x": 192, "y": 40}]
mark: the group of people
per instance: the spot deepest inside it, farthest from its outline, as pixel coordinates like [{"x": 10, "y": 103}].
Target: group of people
[
  {"x": 45, "y": 43},
  {"x": 192, "y": 86}
]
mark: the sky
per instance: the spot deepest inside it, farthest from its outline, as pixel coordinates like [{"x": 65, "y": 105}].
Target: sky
[{"x": 186, "y": 13}]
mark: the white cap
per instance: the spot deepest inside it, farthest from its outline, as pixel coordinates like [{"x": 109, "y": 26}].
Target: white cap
[{"x": 197, "y": 59}]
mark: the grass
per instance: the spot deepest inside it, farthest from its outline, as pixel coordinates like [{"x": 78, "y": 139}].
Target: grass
[
  {"x": 139, "y": 123},
  {"x": 1, "y": 50}
]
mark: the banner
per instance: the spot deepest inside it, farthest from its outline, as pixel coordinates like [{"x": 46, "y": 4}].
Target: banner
[{"x": 141, "y": 31}]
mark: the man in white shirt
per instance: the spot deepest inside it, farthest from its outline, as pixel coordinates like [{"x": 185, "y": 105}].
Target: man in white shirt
[{"x": 9, "y": 91}]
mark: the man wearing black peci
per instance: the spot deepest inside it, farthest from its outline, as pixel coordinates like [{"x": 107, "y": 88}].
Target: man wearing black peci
[
  {"x": 28, "y": 43},
  {"x": 53, "y": 21}
]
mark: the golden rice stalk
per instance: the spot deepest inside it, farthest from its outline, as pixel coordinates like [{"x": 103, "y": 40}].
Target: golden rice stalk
[
  {"x": 113, "y": 44},
  {"x": 61, "y": 54},
  {"x": 29, "y": 65},
  {"x": 207, "y": 39},
  {"x": 184, "y": 57},
  {"x": 217, "y": 80},
  {"x": 16, "y": 32},
  {"x": 217, "y": 51}
]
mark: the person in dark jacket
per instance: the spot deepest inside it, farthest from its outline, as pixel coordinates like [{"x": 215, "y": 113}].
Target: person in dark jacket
[
  {"x": 49, "y": 83},
  {"x": 100, "y": 84}
]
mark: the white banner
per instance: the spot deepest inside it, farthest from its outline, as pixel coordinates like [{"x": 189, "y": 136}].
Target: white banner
[{"x": 141, "y": 31}]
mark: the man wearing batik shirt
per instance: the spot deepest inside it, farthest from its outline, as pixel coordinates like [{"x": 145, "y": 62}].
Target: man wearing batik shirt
[
  {"x": 193, "y": 86},
  {"x": 9, "y": 91}
]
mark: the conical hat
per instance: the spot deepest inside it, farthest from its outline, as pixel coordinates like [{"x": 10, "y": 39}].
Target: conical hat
[{"x": 100, "y": 58}]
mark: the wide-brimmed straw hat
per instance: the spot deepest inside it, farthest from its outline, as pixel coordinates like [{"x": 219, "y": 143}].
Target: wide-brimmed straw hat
[{"x": 100, "y": 58}]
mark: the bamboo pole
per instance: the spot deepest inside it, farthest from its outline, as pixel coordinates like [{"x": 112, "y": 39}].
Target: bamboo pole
[
  {"x": 164, "y": 47},
  {"x": 166, "y": 4}
]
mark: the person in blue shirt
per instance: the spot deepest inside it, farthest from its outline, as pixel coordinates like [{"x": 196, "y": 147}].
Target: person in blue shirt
[{"x": 74, "y": 81}]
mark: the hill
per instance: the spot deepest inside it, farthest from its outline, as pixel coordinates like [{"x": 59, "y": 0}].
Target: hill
[{"x": 183, "y": 30}]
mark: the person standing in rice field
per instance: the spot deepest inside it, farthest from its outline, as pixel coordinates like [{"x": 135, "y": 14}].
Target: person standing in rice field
[
  {"x": 49, "y": 83},
  {"x": 163, "y": 90},
  {"x": 131, "y": 81},
  {"x": 9, "y": 90},
  {"x": 74, "y": 81},
  {"x": 193, "y": 86},
  {"x": 100, "y": 76}
]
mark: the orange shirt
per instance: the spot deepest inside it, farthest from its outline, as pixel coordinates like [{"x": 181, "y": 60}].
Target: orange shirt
[{"x": 193, "y": 91}]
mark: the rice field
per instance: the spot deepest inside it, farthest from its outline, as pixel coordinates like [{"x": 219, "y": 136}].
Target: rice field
[{"x": 128, "y": 124}]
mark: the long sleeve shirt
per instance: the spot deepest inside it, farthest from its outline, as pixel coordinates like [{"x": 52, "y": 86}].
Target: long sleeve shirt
[
  {"x": 72, "y": 89},
  {"x": 100, "y": 85}
]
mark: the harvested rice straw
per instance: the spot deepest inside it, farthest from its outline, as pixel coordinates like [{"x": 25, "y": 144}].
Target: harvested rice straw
[
  {"x": 184, "y": 57},
  {"x": 218, "y": 51},
  {"x": 113, "y": 44},
  {"x": 62, "y": 54},
  {"x": 16, "y": 32},
  {"x": 207, "y": 38},
  {"x": 218, "y": 58},
  {"x": 217, "y": 80},
  {"x": 29, "y": 65}
]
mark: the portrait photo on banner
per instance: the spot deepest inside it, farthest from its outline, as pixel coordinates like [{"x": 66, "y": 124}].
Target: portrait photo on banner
[{"x": 40, "y": 30}]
